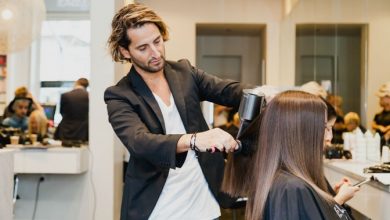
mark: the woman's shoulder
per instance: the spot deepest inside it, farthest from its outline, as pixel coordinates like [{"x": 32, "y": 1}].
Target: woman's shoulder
[
  {"x": 289, "y": 186},
  {"x": 292, "y": 198},
  {"x": 286, "y": 180}
]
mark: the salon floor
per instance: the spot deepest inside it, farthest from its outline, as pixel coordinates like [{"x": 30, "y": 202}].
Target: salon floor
[{"x": 233, "y": 214}]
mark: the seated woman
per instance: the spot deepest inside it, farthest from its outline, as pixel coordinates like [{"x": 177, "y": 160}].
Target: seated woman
[
  {"x": 285, "y": 178},
  {"x": 37, "y": 124},
  {"x": 19, "y": 108},
  {"x": 23, "y": 92},
  {"x": 352, "y": 122}
]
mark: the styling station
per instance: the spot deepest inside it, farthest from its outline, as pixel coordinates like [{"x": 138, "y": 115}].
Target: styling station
[
  {"x": 373, "y": 198},
  {"x": 44, "y": 181}
]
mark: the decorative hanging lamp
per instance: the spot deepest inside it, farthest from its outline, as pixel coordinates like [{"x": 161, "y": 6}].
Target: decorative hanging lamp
[{"x": 20, "y": 23}]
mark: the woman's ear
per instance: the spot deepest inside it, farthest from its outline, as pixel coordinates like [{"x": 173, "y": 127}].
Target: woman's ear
[{"x": 124, "y": 52}]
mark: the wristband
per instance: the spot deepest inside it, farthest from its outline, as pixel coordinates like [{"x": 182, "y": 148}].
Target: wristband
[{"x": 192, "y": 142}]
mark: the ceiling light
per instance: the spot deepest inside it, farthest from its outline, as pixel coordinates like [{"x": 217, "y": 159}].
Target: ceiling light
[
  {"x": 20, "y": 23},
  {"x": 6, "y": 14}
]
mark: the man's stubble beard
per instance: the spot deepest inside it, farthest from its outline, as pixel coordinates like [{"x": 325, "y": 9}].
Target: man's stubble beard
[{"x": 148, "y": 68}]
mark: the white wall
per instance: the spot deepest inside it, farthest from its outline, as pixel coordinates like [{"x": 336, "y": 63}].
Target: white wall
[
  {"x": 18, "y": 71},
  {"x": 247, "y": 48}
]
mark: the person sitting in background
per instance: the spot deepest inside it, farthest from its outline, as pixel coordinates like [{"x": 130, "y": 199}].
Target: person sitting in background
[
  {"x": 336, "y": 101},
  {"x": 286, "y": 178},
  {"x": 352, "y": 122},
  {"x": 381, "y": 123},
  {"x": 74, "y": 108},
  {"x": 316, "y": 89},
  {"x": 19, "y": 109},
  {"x": 37, "y": 124},
  {"x": 338, "y": 129},
  {"x": 22, "y": 92}
]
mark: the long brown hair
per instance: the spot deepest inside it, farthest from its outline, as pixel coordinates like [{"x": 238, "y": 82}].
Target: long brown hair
[
  {"x": 290, "y": 139},
  {"x": 37, "y": 123}
]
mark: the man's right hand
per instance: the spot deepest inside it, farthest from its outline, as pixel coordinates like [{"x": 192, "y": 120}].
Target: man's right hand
[{"x": 215, "y": 138}]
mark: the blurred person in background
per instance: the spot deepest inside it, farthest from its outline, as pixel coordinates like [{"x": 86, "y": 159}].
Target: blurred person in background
[
  {"x": 381, "y": 123},
  {"x": 336, "y": 101},
  {"x": 352, "y": 122},
  {"x": 314, "y": 88},
  {"x": 339, "y": 127},
  {"x": 18, "y": 108},
  {"x": 23, "y": 92},
  {"x": 37, "y": 124},
  {"x": 74, "y": 108}
]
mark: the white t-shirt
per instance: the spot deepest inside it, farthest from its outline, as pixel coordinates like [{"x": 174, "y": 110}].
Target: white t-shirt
[{"x": 186, "y": 194}]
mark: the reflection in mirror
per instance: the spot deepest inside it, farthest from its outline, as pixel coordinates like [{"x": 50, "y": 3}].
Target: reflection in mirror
[{"x": 334, "y": 56}]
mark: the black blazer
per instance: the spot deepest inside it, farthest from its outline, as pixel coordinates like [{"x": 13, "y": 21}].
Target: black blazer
[
  {"x": 137, "y": 120},
  {"x": 74, "y": 109}
]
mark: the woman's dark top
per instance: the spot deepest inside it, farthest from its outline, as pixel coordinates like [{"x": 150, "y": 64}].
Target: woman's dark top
[
  {"x": 382, "y": 118},
  {"x": 291, "y": 198}
]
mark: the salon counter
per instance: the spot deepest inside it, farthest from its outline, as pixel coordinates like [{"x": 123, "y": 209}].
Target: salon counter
[
  {"x": 50, "y": 159},
  {"x": 53, "y": 182},
  {"x": 373, "y": 198}
]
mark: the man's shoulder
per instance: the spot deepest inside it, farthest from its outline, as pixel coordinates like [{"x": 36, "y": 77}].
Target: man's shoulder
[
  {"x": 182, "y": 65},
  {"x": 67, "y": 94},
  {"x": 181, "y": 62},
  {"x": 121, "y": 89},
  {"x": 76, "y": 92},
  {"x": 123, "y": 82}
]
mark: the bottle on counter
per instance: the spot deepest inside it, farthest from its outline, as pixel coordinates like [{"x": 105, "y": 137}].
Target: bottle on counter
[
  {"x": 360, "y": 147},
  {"x": 385, "y": 154},
  {"x": 373, "y": 141}
]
